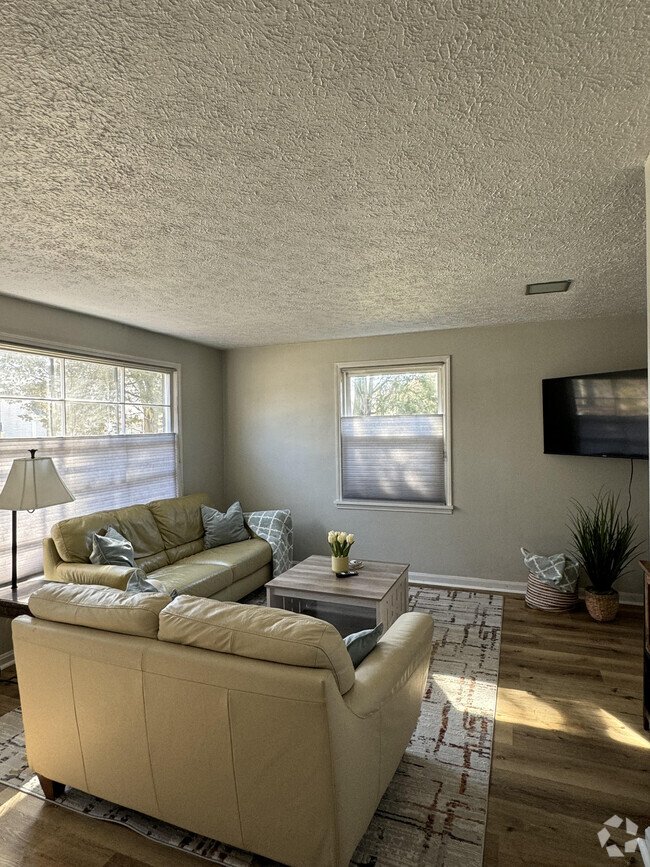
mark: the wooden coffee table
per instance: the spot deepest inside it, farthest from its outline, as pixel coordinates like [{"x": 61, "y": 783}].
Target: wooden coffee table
[{"x": 378, "y": 594}]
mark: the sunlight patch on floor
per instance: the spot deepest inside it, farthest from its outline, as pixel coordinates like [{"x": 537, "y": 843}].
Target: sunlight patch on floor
[
  {"x": 12, "y": 803},
  {"x": 454, "y": 687},
  {"x": 619, "y": 731},
  {"x": 521, "y": 708}
]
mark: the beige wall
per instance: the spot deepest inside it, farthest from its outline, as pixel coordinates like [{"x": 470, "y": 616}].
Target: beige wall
[
  {"x": 201, "y": 380},
  {"x": 281, "y": 443}
]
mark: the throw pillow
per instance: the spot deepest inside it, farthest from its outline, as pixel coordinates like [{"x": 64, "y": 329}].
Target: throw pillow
[
  {"x": 221, "y": 528},
  {"x": 359, "y": 644},
  {"x": 112, "y": 549},
  {"x": 138, "y": 583}
]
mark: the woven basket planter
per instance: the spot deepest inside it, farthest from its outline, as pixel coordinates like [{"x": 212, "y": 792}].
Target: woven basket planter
[
  {"x": 603, "y": 607},
  {"x": 543, "y": 596}
]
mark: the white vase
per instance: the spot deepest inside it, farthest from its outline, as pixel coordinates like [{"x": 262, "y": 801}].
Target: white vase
[{"x": 340, "y": 564}]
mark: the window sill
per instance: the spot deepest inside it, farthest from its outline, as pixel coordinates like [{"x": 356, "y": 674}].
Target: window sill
[{"x": 382, "y": 506}]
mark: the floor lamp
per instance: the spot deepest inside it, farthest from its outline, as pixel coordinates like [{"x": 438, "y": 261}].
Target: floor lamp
[{"x": 32, "y": 483}]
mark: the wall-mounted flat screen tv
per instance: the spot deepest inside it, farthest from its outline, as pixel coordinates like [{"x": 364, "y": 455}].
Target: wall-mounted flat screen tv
[{"x": 599, "y": 414}]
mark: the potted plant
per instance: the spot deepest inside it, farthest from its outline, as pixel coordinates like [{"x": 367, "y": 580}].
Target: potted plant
[
  {"x": 603, "y": 542},
  {"x": 340, "y": 544}
]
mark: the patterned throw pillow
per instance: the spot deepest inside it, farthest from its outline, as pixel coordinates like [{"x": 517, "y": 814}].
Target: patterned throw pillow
[
  {"x": 276, "y": 527},
  {"x": 557, "y": 570}
]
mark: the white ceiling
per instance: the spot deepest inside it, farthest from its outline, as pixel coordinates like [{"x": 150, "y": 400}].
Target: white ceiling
[{"x": 244, "y": 172}]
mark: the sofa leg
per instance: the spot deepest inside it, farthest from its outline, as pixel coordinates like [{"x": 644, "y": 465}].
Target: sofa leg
[{"x": 51, "y": 789}]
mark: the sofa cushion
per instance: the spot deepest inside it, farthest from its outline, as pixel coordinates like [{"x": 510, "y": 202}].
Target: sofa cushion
[
  {"x": 74, "y": 536},
  {"x": 258, "y": 633},
  {"x": 242, "y": 557},
  {"x": 137, "y": 524},
  {"x": 180, "y": 552},
  {"x": 99, "y": 608},
  {"x": 198, "y": 579},
  {"x": 153, "y": 561},
  {"x": 179, "y": 519},
  {"x": 222, "y": 528}
]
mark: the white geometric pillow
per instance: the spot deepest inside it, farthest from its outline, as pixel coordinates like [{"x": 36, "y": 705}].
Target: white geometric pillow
[{"x": 557, "y": 570}]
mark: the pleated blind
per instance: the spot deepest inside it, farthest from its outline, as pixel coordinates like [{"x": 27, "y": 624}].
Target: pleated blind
[
  {"x": 102, "y": 472},
  {"x": 393, "y": 458}
]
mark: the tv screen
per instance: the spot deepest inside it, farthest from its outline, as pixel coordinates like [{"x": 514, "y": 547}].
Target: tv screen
[{"x": 599, "y": 414}]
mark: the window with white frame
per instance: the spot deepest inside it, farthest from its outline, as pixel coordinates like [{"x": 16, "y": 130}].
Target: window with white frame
[
  {"x": 394, "y": 424},
  {"x": 107, "y": 425}
]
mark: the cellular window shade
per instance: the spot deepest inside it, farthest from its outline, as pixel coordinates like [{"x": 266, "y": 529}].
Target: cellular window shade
[
  {"x": 102, "y": 473},
  {"x": 394, "y": 458}
]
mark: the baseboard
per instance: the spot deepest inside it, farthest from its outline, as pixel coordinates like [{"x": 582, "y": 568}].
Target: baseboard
[
  {"x": 458, "y": 582},
  {"x": 627, "y": 598},
  {"x": 6, "y": 659},
  {"x": 486, "y": 585}
]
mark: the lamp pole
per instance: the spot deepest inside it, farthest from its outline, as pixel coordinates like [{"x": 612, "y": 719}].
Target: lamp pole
[{"x": 14, "y": 571}]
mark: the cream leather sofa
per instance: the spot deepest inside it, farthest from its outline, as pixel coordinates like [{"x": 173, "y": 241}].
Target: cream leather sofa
[
  {"x": 167, "y": 537},
  {"x": 246, "y": 724}
]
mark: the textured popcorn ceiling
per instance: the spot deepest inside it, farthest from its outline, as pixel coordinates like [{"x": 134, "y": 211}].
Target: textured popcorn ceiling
[{"x": 267, "y": 171}]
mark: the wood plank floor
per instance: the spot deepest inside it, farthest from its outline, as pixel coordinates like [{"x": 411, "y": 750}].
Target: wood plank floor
[{"x": 570, "y": 751}]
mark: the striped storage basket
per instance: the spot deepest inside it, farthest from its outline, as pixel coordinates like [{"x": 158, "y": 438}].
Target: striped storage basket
[{"x": 542, "y": 595}]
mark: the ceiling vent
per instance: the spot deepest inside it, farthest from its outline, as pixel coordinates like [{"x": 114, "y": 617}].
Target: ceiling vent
[{"x": 544, "y": 288}]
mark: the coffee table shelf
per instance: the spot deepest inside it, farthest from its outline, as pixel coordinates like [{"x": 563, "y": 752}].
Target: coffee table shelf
[{"x": 378, "y": 594}]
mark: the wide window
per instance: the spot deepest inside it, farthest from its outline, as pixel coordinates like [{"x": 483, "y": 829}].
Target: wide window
[
  {"x": 108, "y": 427},
  {"x": 394, "y": 424}
]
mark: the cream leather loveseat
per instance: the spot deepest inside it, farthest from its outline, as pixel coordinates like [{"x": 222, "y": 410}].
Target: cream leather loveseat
[
  {"x": 246, "y": 724},
  {"x": 168, "y": 540}
]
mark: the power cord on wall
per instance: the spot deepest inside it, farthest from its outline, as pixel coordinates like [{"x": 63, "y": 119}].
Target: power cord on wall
[{"x": 629, "y": 489}]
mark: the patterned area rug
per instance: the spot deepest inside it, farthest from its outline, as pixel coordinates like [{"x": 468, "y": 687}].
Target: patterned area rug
[{"x": 433, "y": 812}]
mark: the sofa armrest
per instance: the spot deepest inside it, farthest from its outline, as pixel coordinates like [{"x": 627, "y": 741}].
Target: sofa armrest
[
  {"x": 404, "y": 648},
  {"x": 88, "y": 573},
  {"x": 51, "y": 558}
]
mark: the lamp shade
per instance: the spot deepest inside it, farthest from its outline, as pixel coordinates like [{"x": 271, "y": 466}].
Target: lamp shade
[{"x": 33, "y": 483}]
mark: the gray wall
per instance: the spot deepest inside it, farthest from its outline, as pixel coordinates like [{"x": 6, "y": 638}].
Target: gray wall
[
  {"x": 647, "y": 211},
  {"x": 201, "y": 380},
  {"x": 281, "y": 443},
  {"x": 201, "y": 409}
]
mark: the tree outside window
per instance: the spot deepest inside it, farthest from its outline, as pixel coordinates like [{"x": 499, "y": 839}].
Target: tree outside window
[{"x": 44, "y": 395}]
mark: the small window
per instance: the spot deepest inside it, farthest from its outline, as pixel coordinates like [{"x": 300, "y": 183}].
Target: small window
[{"x": 394, "y": 424}]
